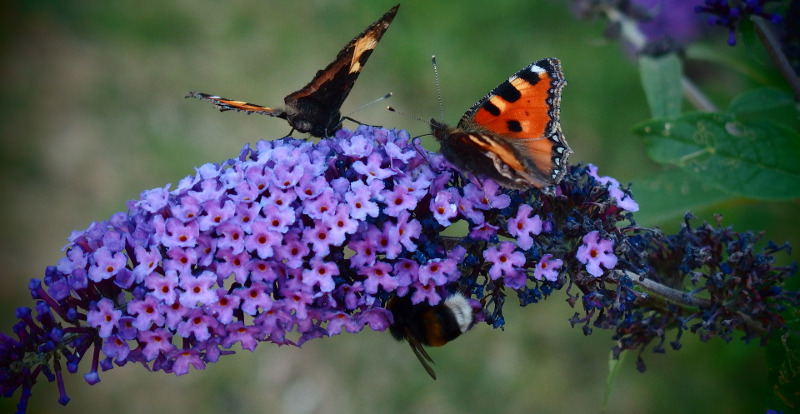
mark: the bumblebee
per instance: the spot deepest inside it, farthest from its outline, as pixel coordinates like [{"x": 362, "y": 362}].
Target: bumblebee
[{"x": 423, "y": 324}]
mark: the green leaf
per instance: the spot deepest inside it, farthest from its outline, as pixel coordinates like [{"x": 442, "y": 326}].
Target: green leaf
[
  {"x": 751, "y": 158},
  {"x": 746, "y": 67},
  {"x": 661, "y": 80},
  {"x": 752, "y": 42},
  {"x": 765, "y": 104},
  {"x": 667, "y": 196},
  {"x": 614, "y": 365},
  {"x": 747, "y": 35},
  {"x": 757, "y": 100}
]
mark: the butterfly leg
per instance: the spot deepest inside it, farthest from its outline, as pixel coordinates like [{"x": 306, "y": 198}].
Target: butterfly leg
[
  {"x": 341, "y": 121},
  {"x": 480, "y": 184}
]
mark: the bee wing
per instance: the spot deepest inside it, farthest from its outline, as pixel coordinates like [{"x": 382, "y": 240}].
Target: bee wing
[{"x": 422, "y": 355}]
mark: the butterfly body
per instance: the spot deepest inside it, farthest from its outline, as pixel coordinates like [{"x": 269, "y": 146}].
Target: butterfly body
[
  {"x": 315, "y": 109},
  {"x": 513, "y": 134}
]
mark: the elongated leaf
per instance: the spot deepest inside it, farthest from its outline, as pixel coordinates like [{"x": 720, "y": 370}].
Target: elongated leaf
[
  {"x": 661, "y": 79},
  {"x": 754, "y": 158},
  {"x": 614, "y": 366},
  {"x": 766, "y": 104},
  {"x": 761, "y": 100}
]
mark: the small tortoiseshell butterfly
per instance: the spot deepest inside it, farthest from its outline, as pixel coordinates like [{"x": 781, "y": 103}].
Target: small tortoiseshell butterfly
[
  {"x": 513, "y": 135},
  {"x": 315, "y": 108}
]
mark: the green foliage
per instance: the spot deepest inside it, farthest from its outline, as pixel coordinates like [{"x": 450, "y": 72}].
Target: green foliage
[
  {"x": 754, "y": 158},
  {"x": 614, "y": 367},
  {"x": 672, "y": 193},
  {"x": 751, "y": 150},
  {"x": 765, "y": 103},
  {"x": 661, "y": 79}
]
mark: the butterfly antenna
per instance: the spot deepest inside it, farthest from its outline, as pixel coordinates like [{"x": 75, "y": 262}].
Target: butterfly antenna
[
  {"x": 414, "y": 117},
  {"x": 436, "y": 82},
  {"x": 373, "y": 102},
  {"x": 360, "y": 108}
]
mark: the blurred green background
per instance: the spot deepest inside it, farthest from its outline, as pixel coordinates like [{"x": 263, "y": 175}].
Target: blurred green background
[{"x": 93, "y": 113}]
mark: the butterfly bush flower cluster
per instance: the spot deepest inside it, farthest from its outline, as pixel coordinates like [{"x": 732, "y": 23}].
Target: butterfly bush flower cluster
[
  {"x": 674, "y": 23},
  {"x": 292, "y": 241},
  {"x": 728, "y": 13}
]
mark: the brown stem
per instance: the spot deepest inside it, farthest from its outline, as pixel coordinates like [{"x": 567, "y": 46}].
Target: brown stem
[
  {"x": 773, "y": 45},
  {"x": 682, "y": 298}
]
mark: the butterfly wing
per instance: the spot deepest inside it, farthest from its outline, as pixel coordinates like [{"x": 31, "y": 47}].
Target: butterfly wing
[
  {"x": 525, "y": 106},
  {"x": 516, "y": 126},
  {"x": 225, "y": 104},
  {"x": 486, "y": 155},
  {"x": 315, "y": 108}
]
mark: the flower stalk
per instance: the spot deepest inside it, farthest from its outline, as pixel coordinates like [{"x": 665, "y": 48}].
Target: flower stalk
[{"x": 292, "y": 241}]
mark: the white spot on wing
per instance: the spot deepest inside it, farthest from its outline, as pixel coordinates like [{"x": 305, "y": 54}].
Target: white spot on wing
[{"x": 537, "y": 69}]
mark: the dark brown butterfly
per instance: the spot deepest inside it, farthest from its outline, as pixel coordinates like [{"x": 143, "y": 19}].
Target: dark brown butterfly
[{"x": 315, "y": 108}]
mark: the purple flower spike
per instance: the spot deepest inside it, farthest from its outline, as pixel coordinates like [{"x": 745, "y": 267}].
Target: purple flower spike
[{"x": 293, "y": 241}]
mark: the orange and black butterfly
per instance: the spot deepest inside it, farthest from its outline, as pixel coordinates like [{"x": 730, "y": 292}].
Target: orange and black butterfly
[
  {"x": 315, "y": 108},
  {"x": 513, "y": 134}
]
